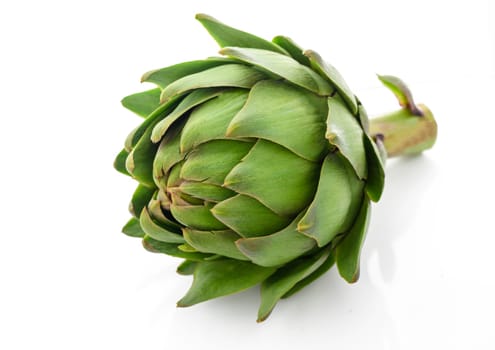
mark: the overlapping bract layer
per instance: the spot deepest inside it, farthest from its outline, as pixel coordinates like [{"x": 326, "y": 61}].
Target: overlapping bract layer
[{"x": 255, "y": 168}]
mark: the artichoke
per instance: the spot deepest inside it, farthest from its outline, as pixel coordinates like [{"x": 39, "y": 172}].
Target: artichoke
[{"x": 258, "y": 167}]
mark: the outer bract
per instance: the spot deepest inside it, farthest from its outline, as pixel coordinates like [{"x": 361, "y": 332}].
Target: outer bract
[{"x": 255, "y": 168}]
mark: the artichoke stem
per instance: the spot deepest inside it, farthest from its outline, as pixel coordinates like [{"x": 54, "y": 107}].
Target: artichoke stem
[{"x": 405, "y": 132}]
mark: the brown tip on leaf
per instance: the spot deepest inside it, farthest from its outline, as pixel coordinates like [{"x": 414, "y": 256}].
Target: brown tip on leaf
[
  {"x": 131, "y": 209},
  {"x": 355, "y": 278},
  {"x": 146, "y": 75},
  {"x": 200, "y": 16},
  {"x": 181, "y": 304},
  {"x": 310, "y": 53},
  {"x": 263, "y": 318},
  {"x": 148, "y": 246}
]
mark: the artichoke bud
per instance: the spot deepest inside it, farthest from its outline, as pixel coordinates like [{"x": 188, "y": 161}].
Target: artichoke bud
[{"x": 255, "y": 168}]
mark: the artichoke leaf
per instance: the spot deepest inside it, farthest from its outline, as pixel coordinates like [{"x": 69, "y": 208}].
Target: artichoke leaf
[
  {"x": 205, "y": 191},
  {"x": 168, "y": 155},
  {"x": 266, "y": 169},
  {"x": 139, "y": 162},
  {"x": 192, "y": 100},
  {"x": 158, "y": 231},
  {"x": 149, "y": 123},
  {"x": 165, "y": 76},
  {"x": 248, "y": 217},
  {"x": 327, "y": 70},
  {"x": 284, "y": 279},
  {"x": 225, "y": 35},
  {"x": 140, "y": 198},
  {"x": 156, "y": 213},
  {"x": 312, "y": 277},
  {"x": 277, "y": 112},
  {"x": 283, "y": 66},
  {"x": 119, "y": 163},
  {"x": 187, "y": 267},
  {"x": 196, "y": 216},
  {"x": 344, "y": 132},
  {"x": 187, "y": 248},
  {"x": 210, "y": 162},
  {"x": 376, "y": 170},
  {"x": 143, "y": 103},
  {"x": 326, "y": 218},
  {"x": 348, "y": 251},
  {"x": 278, "y": 248},
  {"x": 292, "y": 48},
  {"x": 228, "y": 75},
  {"x": 133, "y": 228},
  {"x": 172, "y": 249},
  {"x": 216, "y": 242},
  {"x": 363, "y": 118},
  {"x": 216, "y": 278},
  {"x": 217, "y": 114}
]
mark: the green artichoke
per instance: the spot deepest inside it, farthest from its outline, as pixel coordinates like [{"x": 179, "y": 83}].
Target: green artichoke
[{"x": 257, "y": 167}]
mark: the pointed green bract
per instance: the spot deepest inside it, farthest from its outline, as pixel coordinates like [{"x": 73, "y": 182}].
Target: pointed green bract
[
  {"x": 382, "y": 150},
  {"x": 278, "y": 248},
  {"x": 217, "y": 114},
  {"x": 344, "y": 132},
  {"x": 187, "y": 267},
  {"x": 187, "y": 248},
  {"x": 292, "y": 49},
  {"x": 173, "y": 178},
  {"x": 143, "y": 103},
  {"x": 167, "y": 155},
  {"x": 196, "y": 216},
  {"x": 349, "y": 249},
  {"x": 156, "y": 213},
  {"x": 228, "y": 75},
  {"x": 165, "y": 76},
  {"x": 172, "y": 249},
  {"x": 211, "y": 161},
  {"x": 133, "y": 228},
  {"x": 119, "y": 163},
  {"x": 216, "y": 242},
  {"x": 238, "y": 213},
  {"x": 269, "y": 167},
  {"x": 312, "y": 277},
  {"x": 282, "y": 281},
  {"x": 325, "y": 69},
  {"x": 192, "y": 100},
  {"x": 206, "y": 191},
  {"x": 286, "y": 115},
  {"x": 376, "y": 171},
  {"x": 336, "y": 202},
  {"x": 139, "y": 162},
  {"x": 284, "y": 66},
  {"x": 156, "y": 231},
  {"x": 225, "y": 35},
  {"x": 140, "y": 198},
  {"x": 363, "y": 118},
  {"x": 217, "y": 278},
  {"x": 147, "y": 125}
]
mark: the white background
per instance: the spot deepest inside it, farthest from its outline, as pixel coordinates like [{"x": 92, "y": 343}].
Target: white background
[{"x": 70, "y": 279}]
